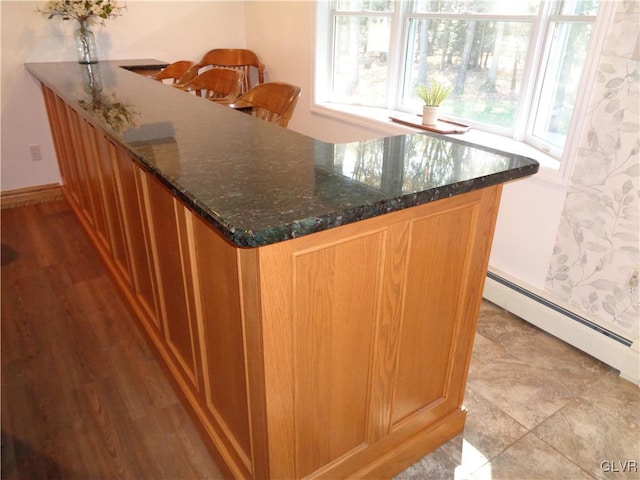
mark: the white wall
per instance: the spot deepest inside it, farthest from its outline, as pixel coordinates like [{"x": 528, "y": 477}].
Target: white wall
[
  {"x": 282, "y": 33},
  {"x": 526, "y": 230},
  {"x": 162, "y": 30}
]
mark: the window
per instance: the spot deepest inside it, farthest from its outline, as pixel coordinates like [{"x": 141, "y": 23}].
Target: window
[{"x": 515, "y": 66}]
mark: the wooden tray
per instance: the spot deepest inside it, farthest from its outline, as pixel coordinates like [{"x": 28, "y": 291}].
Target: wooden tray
[{"x": 443, "y": 126}]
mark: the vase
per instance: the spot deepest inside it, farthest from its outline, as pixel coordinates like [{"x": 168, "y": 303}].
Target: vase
[
  {"x": 85, "y": 45},
  {"x": 91, "y": 78},
  {"x": 430, "y": 114}
]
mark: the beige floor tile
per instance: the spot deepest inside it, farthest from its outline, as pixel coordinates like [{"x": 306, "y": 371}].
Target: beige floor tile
[
  {"x": 503, "y": 328},
  {"x": 437, "y": 466},
  {"x": 617, "y": 397},
  {"x": 488, "y": 432},
  {"x": 549, "y": 352},
  {"x": 594, "y": 439},
  {"x": 530, "y": 459},
  {"x": 532, "y": 344},
  {"x": 535, "y": 377},
  {"x": 521, "y": 389},
  {"x": 484, "y": 352}
]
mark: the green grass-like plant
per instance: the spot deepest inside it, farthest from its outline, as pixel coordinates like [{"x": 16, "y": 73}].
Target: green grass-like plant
[{"x": 434, "y": 93}]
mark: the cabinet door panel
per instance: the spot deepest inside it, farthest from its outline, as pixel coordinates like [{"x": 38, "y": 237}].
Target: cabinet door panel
[
  {"x": 137, "y": 244},
  {"x": 223, "y": 354},
  {"x": 163, "y": 214},
  {"x": 335, "y": 295},
  {"x": 88, "y": 146},
  {"x": 67, "y": 151},
  {"x": 107, "y": 157},
  {"x": 57, "y": 122},
  {"x": 78, "y": 162},
  {"x": 432, "y": 311}
]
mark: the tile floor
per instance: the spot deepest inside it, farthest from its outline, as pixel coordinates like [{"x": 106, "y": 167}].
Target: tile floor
[{"x": 538, "y": 409}]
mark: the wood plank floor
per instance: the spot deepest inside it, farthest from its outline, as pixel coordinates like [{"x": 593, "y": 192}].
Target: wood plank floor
[{"x": 82, "y": 395}]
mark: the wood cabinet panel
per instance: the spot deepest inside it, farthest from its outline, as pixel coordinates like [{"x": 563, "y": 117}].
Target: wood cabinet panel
[
  {"x": 185, "y": 241},
  {"x": 107, "y": 158},
  {"x": 82, "y": 183},
  {"x": 431, "y": 312},
  {"x": 162, "y": 214},
  {"x": 368, "y": 335},
  {"x": 87, "y": 136},
  {"x": 139, "y": 250},
  {"x": 55, "y": 114},
  {"x": 58, "y": 113},
  {"x": 100, "y": 183},
  {"x": 153, "y": 244},
  {"x": 87, "y": 161},
  {"x": 215, "y": 265},
  {"x": 335, "y": 300}
]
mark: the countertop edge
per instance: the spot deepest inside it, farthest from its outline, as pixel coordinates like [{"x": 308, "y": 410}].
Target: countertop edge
[{"x": 312, "y": 224}]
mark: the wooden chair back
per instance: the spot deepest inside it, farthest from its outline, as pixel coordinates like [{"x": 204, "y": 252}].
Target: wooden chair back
[
  {"x": 218, "y": 84},
  {"x": 273, "y": 102},
  {"x": 174, "y": 72},
  {"x": 237, "y": 59}
]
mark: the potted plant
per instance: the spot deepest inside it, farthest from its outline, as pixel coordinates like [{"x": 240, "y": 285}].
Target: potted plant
[{"x": 432, "y": 95}]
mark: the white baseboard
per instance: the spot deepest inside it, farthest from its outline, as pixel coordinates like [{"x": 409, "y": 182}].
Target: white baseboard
[{"x": 606, "y": 346}]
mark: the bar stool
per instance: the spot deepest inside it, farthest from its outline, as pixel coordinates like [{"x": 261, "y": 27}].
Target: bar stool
[
  {"x": 273, "y": 102},
  {"x": 174, "y": 72},
  {"x": 233, "y": 58},
  {"x": 217, "y": 84}
]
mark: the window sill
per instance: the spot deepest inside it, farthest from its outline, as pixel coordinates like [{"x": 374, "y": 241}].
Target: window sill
[{"x": 377, "y": 120}]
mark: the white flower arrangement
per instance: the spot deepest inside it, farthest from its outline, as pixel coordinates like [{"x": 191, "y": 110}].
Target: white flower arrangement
[
  {"x": 118, "y": 115},
  {"x": 85, "y": 12}
]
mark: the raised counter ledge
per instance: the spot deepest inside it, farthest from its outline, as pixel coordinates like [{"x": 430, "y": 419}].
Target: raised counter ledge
[{"x": 260, "y": 184}]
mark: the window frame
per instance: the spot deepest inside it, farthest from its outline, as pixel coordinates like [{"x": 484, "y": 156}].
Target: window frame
[
  {"x": 545, "y": 51},
  {"x": 523, "y": 124},
  {"x": 531, "y": 50}
]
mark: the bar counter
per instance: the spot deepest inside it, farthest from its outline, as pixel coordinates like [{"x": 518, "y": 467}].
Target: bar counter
[
  {"x": 315, "y": 304},
  {"x": 257, "y": 184}
]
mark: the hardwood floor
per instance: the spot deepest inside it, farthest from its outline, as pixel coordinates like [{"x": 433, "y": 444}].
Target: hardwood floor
[{"x": 82, "y": 395}]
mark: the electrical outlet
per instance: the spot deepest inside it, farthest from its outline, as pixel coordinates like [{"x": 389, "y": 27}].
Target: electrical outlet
[{"x": 36, "y": 154}]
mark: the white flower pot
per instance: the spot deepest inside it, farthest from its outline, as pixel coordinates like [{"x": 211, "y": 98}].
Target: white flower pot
[{"x": 430, "y": 114}]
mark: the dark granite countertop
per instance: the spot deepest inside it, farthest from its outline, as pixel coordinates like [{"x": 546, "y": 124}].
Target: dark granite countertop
[{"x": 260, "y": 184}]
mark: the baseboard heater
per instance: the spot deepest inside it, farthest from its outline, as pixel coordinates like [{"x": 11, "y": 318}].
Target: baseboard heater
[
  {"x": 605, "y": 345},
  {"x": 563, "y": 311}
]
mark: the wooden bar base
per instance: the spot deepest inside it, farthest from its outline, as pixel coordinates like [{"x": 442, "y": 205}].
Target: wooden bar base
[{"x": 341, "y": 354}]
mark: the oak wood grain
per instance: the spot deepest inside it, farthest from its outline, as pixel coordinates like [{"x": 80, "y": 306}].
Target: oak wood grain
[{"x": 367, "y": 336}]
